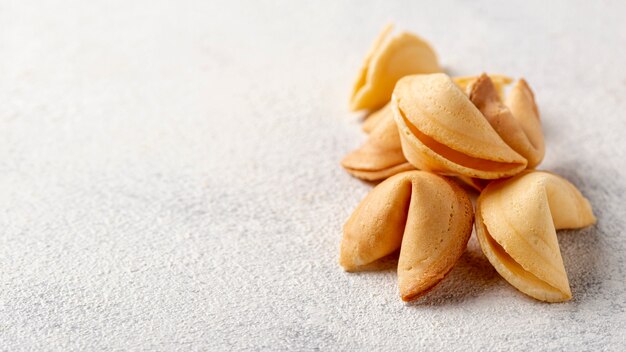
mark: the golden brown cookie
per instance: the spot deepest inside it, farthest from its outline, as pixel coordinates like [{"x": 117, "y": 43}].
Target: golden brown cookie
[
  {"x": 516, "y": 223},
  {"x": 389, "y": 59},
  {"x": 428, "y": 217},
  {"x": 442, "y": 131}
]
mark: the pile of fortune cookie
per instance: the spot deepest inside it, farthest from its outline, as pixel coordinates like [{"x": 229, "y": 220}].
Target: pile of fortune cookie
[{"x": 431, "y": 140}]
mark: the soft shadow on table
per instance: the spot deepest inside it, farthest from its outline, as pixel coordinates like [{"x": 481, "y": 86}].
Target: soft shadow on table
[
  {"x": 472, "y": 275},
  {"x": 364, "y": 115},
  {"x": 450, "y": 71},
  {"x": 385, "y": 264},
  {"x": 584, "y": 250},
  {"x": 369, "y": 183},
  {"x": 582, "y": 254}
]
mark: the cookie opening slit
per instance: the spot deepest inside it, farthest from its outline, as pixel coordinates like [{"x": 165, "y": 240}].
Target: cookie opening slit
[
  {"x": 456, "y": 156},
  {"x": 517, "y": 272}
]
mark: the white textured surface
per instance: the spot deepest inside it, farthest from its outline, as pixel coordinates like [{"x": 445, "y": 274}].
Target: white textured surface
[{"x": 169, "y": 176}]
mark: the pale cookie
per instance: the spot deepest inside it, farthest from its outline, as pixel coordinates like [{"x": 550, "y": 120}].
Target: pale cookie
[
  {"x": 389, "y": 59},
  {"x": 516, "y": 223},
  {"x": 354, "y": 161},
  {"x": 428, "y": 217},
  {"x": 442, "y": 131}
]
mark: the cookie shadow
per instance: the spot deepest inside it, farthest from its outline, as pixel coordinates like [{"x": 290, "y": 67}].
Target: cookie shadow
[
  {"x": 384, "y": 264},
  {"x": 584, "y": 251}
]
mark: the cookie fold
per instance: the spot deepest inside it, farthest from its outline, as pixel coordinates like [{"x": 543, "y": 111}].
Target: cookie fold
[
  {"x": 389, "y": 59},
  {"x": 516, "y": 223},
  {"x": 428, "y": 217},
  {"x": 442, "y": 131}
]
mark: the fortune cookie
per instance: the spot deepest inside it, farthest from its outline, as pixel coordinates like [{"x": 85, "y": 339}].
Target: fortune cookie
[
  {"x": 516, "y": 223},
  {"x": 389, "y": 59},
  {"x": 517, "y": 121},
  {"x": 442, "y": 131},
  {"x": 381, "y": 154},
  {"x": 428, "y": 217},
  {"x": 373, "y": 153}
]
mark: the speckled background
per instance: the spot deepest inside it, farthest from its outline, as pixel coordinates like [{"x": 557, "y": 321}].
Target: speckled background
[{"x": 170, "y": 180}]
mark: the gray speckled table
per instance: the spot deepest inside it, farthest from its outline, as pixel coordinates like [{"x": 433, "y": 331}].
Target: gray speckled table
[{"x": 169, "y": 176}]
